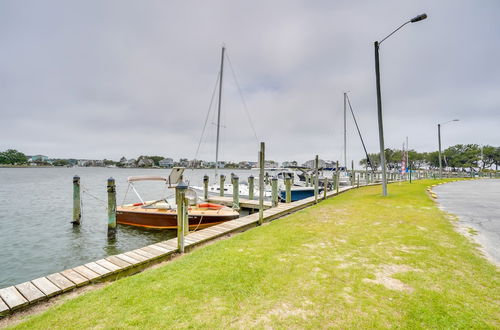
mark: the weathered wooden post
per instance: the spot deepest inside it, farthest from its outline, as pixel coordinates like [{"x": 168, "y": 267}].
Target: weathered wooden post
[
  {"x": 274, "y": 195},
  {"x": 111, "y": 188},
  {"x": 236, "y": 192},
  {"x": 262, "y": 154},
  {"x": 316, "y": 178},
  {"x": 77, "y": 211},
  {"x": 266, "y": 178},
  {"x": 288, "y": 189},
  {"x": 307, "y": 179},
  {"x": 205, "y": 187},
  {"x": 325, "y": 187},
  {"x": 222, "y": 179},
  {"x": 353, "y": 179},
  {"x": 337, "y": 183},
  {"x": 180, "y": 192},
  {"x": 357, "y": 179},
  {"x": 251, "y": 187}
]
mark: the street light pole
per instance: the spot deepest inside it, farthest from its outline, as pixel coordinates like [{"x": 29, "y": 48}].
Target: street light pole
[
  {"x": 380, "y": 123},
  {"x": 379, "y": 101}
]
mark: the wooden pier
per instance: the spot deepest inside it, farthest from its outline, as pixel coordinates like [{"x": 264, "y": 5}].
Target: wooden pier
[
  {"x": 28, "y": 293},
  {"x": 250, "y": 204}
]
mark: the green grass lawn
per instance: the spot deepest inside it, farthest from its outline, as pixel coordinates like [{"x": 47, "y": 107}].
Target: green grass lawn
[{"x": 358, "y": 260}]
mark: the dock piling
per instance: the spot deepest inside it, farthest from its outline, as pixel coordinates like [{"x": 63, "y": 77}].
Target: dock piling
[
  {"x": 111, "y": 188},
  {"x": 77, "y": 212},
  {"x": 222, "y": 179},
  {"x": 337, "y": 184},
  {"x": 274, "y": 185},
  {"x": 180, "y": 192},
  {"x": 262, "y": 154},
  {"x": 251, "y": 187},
  {"x": 316, "y": 178},
  {"x": 205, "y": 187},
  {"x": 235, "y": 181},
  {"x": 325, "y": 187},
  {"x": 288, "y": 189}
]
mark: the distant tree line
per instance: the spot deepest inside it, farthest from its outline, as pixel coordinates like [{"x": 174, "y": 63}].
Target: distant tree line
[
  {"x": 12, "y": 157},
  {"x": 459, "y": 157}
]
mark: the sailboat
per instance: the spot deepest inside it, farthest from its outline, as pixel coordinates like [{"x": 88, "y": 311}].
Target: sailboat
[{"x": 228, "y": 187}]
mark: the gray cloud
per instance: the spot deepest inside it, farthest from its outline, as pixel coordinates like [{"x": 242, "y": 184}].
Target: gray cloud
[{"x": 95, "y": 79}]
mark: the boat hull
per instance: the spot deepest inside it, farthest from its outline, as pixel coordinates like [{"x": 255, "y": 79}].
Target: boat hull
[
  {"x": 167, "y": 219},
  {"x": 298, "y": 194}
]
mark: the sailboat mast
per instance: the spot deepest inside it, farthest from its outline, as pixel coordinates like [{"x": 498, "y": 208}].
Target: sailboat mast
[
  {"x": 218, "y": 110},
  {"x": 345, "y": 134}
]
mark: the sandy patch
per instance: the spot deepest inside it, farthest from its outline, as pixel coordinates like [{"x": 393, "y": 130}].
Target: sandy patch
[{"x": 383, "y": 276}]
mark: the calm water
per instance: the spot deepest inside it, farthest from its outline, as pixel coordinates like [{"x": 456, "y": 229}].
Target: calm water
[{"x": 36, "y": 236}]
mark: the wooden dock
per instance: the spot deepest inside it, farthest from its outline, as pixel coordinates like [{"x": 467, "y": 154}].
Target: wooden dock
[
  {"x": 28, "y": 293},
  {"x": 251, "y": 204}
]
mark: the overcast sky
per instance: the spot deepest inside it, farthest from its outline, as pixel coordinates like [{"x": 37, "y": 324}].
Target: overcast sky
[{"x": 105, "y": 79}]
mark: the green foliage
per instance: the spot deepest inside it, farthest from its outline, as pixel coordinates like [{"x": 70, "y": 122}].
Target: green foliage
[
  {"x": 462, "y": 156},
  {"x": 458, "y": 157},
  {"x": 60, "y": 162},
  {"x": 12, "y": 157}
]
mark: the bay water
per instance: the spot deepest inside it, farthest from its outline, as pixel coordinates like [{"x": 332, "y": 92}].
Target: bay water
[{"x": 36, "y": 234}]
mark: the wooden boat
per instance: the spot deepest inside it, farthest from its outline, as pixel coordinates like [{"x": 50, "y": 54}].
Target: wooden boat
[{"x": 162, "y": 214}]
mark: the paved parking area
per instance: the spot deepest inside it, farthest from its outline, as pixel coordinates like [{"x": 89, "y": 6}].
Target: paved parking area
[{"x": 477, "y": 204}]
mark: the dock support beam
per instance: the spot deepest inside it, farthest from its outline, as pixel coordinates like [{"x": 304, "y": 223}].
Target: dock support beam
[
  {"x": 77, "y": 211},
  {"x": 262, "y": 153},
  {"x": 251, "y": 187},
  {"x": 274, "y": 185},
  {"x": 111, "y": 188},
  {"x": 205, "y": 187},
  {"x": 236, "y": 192}
]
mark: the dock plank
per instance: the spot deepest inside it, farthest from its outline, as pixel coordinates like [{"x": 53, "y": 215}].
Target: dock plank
[
  {"x": 136, "y": 256},
  {"x": 84, "y": 271},
  {"x": 75, "y": 277},
  {"x": 119, "y": 262},
  {"x": 97, "y": 268},
  {"x": 30, "y": 292},
  {"x": 161, "y": 248},
  {"x": 61, "y": 281},
  {"x": 128, "y": 259},
  {"x": 13, "y": 298},
  {"x": 144, "y": 254},
  {"x": 46, "y": 286},
  {"x": 166, "y": 247},
  {"x": 153, "y": 251},
  {"x": 4, "y": 309},
  {"x": 109, "y": 265}
]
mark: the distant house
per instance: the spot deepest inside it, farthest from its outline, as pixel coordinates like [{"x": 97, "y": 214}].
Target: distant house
[
  {"x": 166, "y": 162},
  {"x": 310, "y": 163},
  {"x": 131, "y": 163},
  {"x": 145, "y": 162}
]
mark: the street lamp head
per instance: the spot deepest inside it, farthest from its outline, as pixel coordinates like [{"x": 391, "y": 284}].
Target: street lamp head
[
  {"x": 455, "y": 119},
  {"x": 418, "y": 18}
]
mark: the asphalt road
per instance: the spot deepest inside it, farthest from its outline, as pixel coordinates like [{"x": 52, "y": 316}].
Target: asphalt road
[{"x": 477, "y": 204}]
